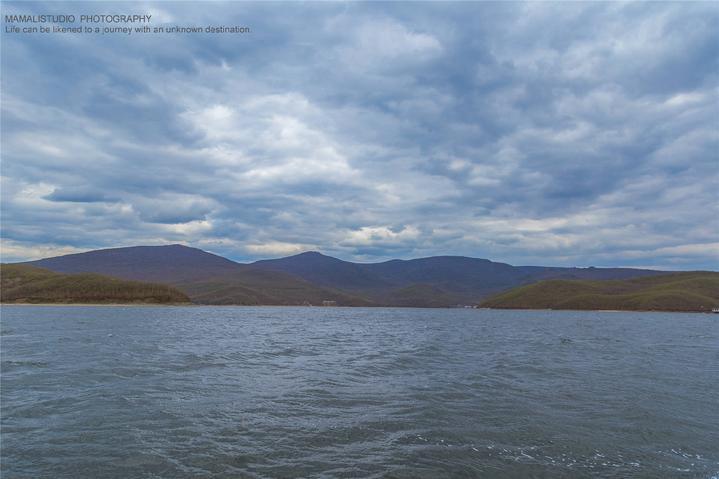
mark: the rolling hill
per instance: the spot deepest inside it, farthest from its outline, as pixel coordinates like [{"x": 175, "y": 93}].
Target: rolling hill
[
  {"x": 259, "y": 287},
  {"x": 692, "y": 291},
  {"x": 27, "y": 284}
]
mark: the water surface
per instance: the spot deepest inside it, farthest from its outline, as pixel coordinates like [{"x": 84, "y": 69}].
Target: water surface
[{"x": 150, "y": 392}]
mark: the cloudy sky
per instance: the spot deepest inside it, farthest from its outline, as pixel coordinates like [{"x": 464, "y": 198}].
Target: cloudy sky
[{"x": 540, "y": 133}]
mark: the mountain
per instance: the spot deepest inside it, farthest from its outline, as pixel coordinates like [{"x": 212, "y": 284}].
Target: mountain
[
  {"x": 327, "y": 271},
  {"x": 454, "y": 279},
  {"x": 692, "y": 291},
  {"x": 165, "y": 264},
  {"x": 205, "y": 277},
  {"x": 27, "y": 284},
  {"x": 312, "y": 277}
]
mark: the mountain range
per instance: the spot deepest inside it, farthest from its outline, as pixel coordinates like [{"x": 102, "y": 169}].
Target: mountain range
[{"x": 313, "y": 278}]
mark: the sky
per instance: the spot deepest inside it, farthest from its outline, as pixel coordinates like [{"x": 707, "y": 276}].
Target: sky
[{"x": 562, "y": 134}]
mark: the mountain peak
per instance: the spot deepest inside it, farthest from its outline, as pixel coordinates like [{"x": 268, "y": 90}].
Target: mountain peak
[{"x": 311, "y": 256}]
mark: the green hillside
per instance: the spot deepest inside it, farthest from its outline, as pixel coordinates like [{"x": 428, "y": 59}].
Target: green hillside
[
  {"x": 27, "y": 284},
  {"x": 260, "y": 287},
  {"x": 694, "y": 291}
]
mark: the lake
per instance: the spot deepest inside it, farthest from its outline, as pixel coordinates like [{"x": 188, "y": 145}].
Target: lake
[{"x": 149, "y": 392}]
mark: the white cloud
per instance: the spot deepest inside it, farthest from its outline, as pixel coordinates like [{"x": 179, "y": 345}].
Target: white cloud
[
  {"x": 276, "y": 248},
  {"x": 383, "y": 43},
  {"x": 380, "y": 235},
  {"x": 12, "y": 251}
]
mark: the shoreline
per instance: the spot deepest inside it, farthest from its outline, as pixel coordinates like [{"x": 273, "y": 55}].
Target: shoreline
[
  {"x": 186, "y": 305},
  {"x": 98, "y": 304}
]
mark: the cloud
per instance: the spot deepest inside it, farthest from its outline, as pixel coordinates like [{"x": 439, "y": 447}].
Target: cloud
[
  {"x": 276, "y": 249},
  {"x": 537, "y": 133},
  {"x": 381, "y": 236},
  {"x": 79, "y": 195},
  {"x": 11, "y": 251},
  {"x": 381, "y": 44}
]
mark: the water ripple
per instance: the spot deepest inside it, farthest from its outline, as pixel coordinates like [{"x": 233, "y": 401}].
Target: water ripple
[{"x": 377, "y": 393}]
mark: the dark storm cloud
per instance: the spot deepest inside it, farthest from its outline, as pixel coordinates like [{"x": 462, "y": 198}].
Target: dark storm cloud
[{"x": 580, "y": 133}]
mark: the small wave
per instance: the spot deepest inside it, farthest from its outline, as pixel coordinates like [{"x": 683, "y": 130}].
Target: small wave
[{"x": 11, "y": 365}]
